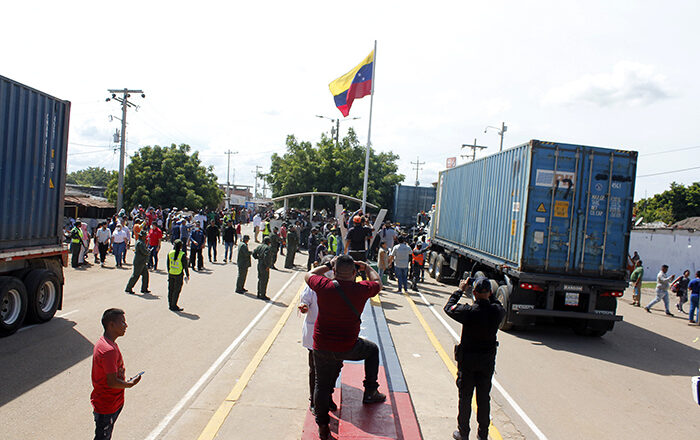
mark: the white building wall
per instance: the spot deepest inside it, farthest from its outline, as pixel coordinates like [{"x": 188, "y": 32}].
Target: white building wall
[{"x": 679, "y": 248}]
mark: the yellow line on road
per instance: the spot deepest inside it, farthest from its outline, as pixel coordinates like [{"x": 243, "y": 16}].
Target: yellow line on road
[
  {"x": 493, "y": 431},
  {"x": 219, "y": 417}
]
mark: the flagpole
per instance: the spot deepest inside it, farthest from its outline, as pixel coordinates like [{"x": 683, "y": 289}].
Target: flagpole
[{"x": 369, "y": 132}]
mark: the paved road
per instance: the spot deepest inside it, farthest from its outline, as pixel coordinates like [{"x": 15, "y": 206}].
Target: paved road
[{"x": 631, "y": 383}]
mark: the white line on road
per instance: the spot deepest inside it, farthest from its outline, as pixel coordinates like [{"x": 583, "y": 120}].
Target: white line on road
[
  {"x": 63, "y": 315},
  {"x": 57, "y": 316},
  {"x": 540, "y": 435},
  {"x": 214, "y": 367}
]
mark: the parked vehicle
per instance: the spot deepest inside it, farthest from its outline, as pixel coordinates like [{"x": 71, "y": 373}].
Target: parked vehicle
[
  {"x": 548, "y": 222},
  {"x": 409, "y": 202},
  {"x": 33, "y": 149}
]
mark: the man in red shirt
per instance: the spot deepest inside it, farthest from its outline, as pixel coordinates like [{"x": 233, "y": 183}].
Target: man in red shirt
[
  {"x": 153, "y": 239},
  {"x": 108, "y": 380},
  {"x": 340, "y": 305}
]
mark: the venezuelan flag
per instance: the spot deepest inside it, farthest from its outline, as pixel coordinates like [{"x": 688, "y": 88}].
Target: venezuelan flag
[{"x": 353, "y": 85}]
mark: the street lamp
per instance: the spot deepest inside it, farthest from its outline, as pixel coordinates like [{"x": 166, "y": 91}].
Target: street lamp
[
  {"x": 501, "y": 130},
  {"x": 336, "y": 130}
]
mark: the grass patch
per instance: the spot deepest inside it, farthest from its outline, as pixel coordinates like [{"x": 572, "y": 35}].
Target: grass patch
[{"x": 648, "y": 284}]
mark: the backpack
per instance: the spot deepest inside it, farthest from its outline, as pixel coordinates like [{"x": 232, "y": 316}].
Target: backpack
[{"x": 256, "y": 253}]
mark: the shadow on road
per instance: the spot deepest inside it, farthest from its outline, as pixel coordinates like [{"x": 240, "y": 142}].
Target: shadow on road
[
  {"x": 30, "y": 358},
  {"x": 628, "y": 345},
  {"x": 192, "y": 316}
]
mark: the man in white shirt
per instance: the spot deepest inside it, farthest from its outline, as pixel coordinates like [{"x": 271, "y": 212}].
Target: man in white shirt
[
  {"x": 201, "y": 219},
  {"x": 257, "y": 222},
  {"x": 103, "y": 236},
  {"x": 662, "y": 285},
  {"x": 401, "y": 257}
]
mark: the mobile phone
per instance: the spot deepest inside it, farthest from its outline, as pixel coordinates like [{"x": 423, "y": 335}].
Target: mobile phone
[
  {"x": 132, "y": 378},
  {"x": 465, "y": 275}
]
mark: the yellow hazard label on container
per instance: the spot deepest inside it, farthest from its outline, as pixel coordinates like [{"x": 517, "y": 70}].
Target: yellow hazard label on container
[
  {"x": 512, "y": 227},
  {"x": 51, "y": 183},
  {"x": 541, "y": 208},
  {"x": 561, "y": 209}
]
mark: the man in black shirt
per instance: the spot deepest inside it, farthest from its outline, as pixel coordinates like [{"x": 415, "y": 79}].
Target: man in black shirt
[
  {"x": 357, "y": 239},
  {"x": 476, "y": 352},
  {"x": 229, "y": 240},
  {"x": 213, "y": 233}
]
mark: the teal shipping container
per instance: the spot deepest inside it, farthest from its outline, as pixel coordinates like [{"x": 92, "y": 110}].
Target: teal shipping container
[
  {"x": 541, "y": 207},
  {"x": 33, "y": 150}
]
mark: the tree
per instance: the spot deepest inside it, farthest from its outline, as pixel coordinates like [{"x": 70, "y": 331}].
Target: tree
[
  {"x": 91, "y": 176},
  {"x": 331, "y": 168},
  {"x": 673, "y": 205},
  {"x": 168, "y": 176}
]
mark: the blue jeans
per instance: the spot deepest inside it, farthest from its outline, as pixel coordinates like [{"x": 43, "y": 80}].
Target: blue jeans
[
  {"x": 402, "y": 277},
  {"x": 104, "y": 424},
  {"x": 660, "y": 295},
  {"x": 694, "y": 308},
  {"x": 153, "y": 259},
  {"x": 119, "y": 249},
  {"x": 228, "y": 250}
]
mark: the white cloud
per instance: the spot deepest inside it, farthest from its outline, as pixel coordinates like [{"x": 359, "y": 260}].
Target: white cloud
[
  {"x": 496, "y": 106},
  {"x": 629, "y": 83}
]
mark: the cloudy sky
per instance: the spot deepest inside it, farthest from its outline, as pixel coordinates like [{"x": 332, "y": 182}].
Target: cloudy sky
[{"x": 242, "y": 76}]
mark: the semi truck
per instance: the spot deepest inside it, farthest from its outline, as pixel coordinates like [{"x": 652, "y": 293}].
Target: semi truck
[
  {"x": 548, "y": 223},
  {"x": 33, "y": 153}
]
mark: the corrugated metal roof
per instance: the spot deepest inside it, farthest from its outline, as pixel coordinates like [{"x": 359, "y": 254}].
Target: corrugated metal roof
[
  {"x": 88, "y": 201},
  {"x": 688, "y": 223}
]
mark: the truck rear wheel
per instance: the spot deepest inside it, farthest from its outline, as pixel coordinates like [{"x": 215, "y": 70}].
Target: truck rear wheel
[
  {"x": 13, "y": 305},
  {"x": 43, "y": 294},
  {"x": 503, "y": 297},
  {"x": 432, "y": 259},
  {"x": 442, "y": 271}
]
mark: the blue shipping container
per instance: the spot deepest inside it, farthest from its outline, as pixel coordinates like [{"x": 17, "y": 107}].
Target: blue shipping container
[
  {"x": 409, "y": 201},
  {"x": 33, "y": 149},
  {"x": 542, "y": 207}
]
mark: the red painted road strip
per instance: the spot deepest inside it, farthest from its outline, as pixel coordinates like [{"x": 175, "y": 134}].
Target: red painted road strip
[{"x": 394, "y": 419}]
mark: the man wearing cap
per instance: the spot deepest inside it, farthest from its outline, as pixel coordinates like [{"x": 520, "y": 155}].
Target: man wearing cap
[
  {"x": 141, "y": 254},
  {"x": 357, "y": 240},
  {"x": 243, "y": 262},
  {"x": 263, "y": 253},
  {"x": 292, "y": 244},
  {"x": 336, "y": 331},
  {"x": 476, "y": 352}
]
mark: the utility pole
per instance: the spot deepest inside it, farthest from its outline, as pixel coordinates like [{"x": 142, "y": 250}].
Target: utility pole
[
  {"x": 501, "y": 131},
  {"x": 335, "y": 131},
  {"x": 257, "y": 174},
  {"x": 228, "y": 175},
  {"x": 417, "y": 163},
  {"x": 474, "y": 148},
  {"x": 124, "y": 100}
]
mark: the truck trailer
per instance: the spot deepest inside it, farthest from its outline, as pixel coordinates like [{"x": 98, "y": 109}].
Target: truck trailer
[
  {"x": 33, "y": 149},
  {"x": 549, "y": 223}
]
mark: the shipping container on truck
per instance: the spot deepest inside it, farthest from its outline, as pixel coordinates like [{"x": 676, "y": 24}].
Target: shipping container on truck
[
  {"x": 548, "y": 222},
  {"x": 33, "y": 149},
  {"x": 409, "y": 201}
]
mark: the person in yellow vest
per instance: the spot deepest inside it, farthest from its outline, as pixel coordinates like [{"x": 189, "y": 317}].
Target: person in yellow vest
[
  {"x": 266, "y": 228},
  {"x": 177, "y": 264},
  {"x": 76, "y": 240}
]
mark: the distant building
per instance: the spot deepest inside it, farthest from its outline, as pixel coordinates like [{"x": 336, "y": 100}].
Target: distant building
[{"x": 677, "y": 245}]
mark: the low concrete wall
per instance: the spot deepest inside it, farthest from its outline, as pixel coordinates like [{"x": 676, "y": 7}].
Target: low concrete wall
[{"x": 679, "y": 248}]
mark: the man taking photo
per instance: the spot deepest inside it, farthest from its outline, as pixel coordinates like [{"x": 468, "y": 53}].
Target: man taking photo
[
  {"x": 340, "y": 304},
  {"x": 476, "y": 352}
]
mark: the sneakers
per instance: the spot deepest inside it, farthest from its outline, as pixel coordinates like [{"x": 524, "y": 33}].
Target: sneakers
[
  {"x": 647, "y": 309},
  {"x": 373, "y": 396}
]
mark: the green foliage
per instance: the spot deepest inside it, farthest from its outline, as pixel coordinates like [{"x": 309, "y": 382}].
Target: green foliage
[
  {"x": 168, "y": 176},
  {"x": 673, "y": 205},
  {"x": 331, "y": 168},
  {"x": 91, "y": 176}
]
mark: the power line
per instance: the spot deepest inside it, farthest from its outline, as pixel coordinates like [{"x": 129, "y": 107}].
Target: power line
[
  {"x": 91, "y": 152},
  {"x": 670, "y": 151},
  {"x": 87, "y": 145},
  {"x": 669, "y": 172}
]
